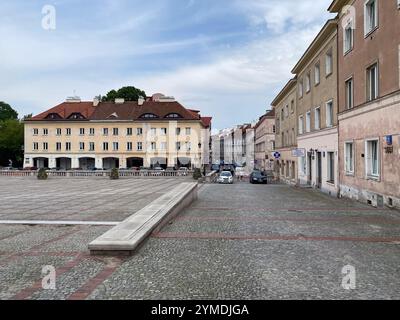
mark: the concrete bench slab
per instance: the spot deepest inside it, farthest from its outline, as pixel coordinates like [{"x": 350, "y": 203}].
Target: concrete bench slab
[{"x": 129, "y": 234}]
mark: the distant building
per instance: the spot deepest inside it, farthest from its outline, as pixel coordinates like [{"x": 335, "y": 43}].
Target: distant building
[
  {"x": 234, "y": 146},
  {"x": 265, "y": 141},
  {"x": 286, "y": 133},
  {"x": 157, "y": 131},
  {"x": 317, "y": 108}
]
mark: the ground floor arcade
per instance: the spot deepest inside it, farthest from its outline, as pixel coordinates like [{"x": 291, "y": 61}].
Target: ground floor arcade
[{"x": 90, "y": 162}]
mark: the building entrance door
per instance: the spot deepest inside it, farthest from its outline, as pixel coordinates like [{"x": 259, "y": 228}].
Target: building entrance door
[
  {"x": 319, "y": 170},
  {"x": 309, "y": 166}
]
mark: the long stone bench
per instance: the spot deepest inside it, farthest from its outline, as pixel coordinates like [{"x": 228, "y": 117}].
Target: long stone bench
[{"x": 125, "y": 238}]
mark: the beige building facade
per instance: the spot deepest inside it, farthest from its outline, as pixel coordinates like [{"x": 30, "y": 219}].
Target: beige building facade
[
  {"x": 265, "y": 142},
  {"x": 96, "y": 135},
  {"x": 286, "y": 133},
  {"x": 317, "y": 108},
  {"x": 369, "y": 100}
]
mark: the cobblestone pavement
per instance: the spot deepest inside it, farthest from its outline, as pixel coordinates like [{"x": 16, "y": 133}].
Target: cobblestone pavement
[
  {"x": 78, "y": 199},
  {"x": 236, "y": 242}
]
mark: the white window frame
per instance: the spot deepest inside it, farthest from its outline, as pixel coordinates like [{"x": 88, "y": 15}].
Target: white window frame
[
  {"x": 301, "y": 88},
  {"x": 58, "y": 132},
  {"x": 106, "y": 146},
  {"x": 92, "y": 131},
  {"x": 188, "y": 131},
  {"x": 329, "y": 62},
  {"x": 369, "y": 86},
  {"x": 329, "y": 113},
  {"x": 153, "y": 146},
  {"x": 308, "y": 121},
  {"x": 129, "y": 146},
  {"x": 368, "y": 29},
  {"x": 139, "y": 146},
  {"x": 115, "y": 146},
  {"x": 349, "y": 99},
  {"x": 81, "y": 146},
  {"x": 349, "y": 163},
  {"x": 163, "y": 131},
  {"x": 348, "y": 44},
  {"x": 35, "y": 146},
  {"x": 331, "y": 172},
  {"x": 301, "y": 124},
  {"x": 58, "y": 146},
  {"x": 308, "y": 82},
  {"x": 317, "y": 74},
  {"x": 317, "y": 120},
  {"x": 368, "y": 160},
  {"x": 45, "y": 146},
  {"x": 92, "y": 146},
  {"x": 68, "y": 146}
]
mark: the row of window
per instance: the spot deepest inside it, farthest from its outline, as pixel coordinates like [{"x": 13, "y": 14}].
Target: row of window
[
  {"x": 372, "y": 158},
  {"x": 317, "y": 118},
  {"x": 372, "y": 86},
  {"x": 317, "y": 74},
  {"x": 115, "y": 131},
  {"x": 371, "y": 23},
  {"x": 115, "y": 146},
  {"x": 285, "y": 110}
]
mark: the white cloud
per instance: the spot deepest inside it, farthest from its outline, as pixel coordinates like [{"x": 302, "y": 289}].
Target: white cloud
[{"x": 234, "y": 83}]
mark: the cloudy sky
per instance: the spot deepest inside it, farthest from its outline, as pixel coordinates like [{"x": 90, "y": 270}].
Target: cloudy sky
[{"x": 227, "y": 58}]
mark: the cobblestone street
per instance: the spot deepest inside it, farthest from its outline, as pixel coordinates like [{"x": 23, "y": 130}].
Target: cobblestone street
[{"x": 237, "y": 241}]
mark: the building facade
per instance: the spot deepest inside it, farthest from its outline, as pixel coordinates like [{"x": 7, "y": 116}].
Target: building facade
[
  {"x": 317, "y": 108},
  {"x": 265, "y": 142},
  {"x": 286, "y": 133},
  {"x": 369, "y": 100},
  {"x": 87, "y": 135}
]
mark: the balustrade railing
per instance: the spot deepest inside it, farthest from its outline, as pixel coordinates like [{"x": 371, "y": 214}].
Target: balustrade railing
[{"x": 97, "y": 173}]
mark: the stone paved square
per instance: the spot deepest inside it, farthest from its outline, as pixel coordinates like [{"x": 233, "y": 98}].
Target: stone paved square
[{"x": 236, "y": 241}]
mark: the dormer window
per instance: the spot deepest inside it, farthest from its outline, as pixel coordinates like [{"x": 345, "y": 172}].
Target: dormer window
[
  {"x": 173, "y": 116},
  {"x": 53, "y": 116},
  {"x": 149, "y": 116},
  {"x": 76, "y": 116},
  {"x": 113, "y": 116}
]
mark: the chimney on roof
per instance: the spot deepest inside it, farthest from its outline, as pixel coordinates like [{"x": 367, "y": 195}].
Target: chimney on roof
[
  {"x": 74, "y": 99},
  {"x": 119, "y": 101},
  {"x": 96, "y": 101},
  {"x": 159, "y": 97},
  {"x": 141, "y": 100}
]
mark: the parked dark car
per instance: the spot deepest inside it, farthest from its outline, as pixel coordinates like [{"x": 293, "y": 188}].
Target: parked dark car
[{"x": 258, "y": 177}]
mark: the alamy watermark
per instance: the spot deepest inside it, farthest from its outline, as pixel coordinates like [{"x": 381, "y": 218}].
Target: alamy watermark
[
  {"x": 49, "y": 19},
  {"x": 49, "y": 278},
  {"x": 349, "y": 279}
]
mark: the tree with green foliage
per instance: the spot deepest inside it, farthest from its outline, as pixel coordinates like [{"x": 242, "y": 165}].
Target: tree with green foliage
[
  {"x": 6, "y": 112},
  {"x": 11, "y": 142},
  {"x": 127, "y": 93}
]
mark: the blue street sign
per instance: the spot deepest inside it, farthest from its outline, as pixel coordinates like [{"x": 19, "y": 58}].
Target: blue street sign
[
  {"x": 277, "y": 155},
  {"x": 389, "y": 140}
]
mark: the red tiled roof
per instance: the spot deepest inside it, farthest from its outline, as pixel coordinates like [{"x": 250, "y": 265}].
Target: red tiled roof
[
  {"x": 66, "y": 109},
  {"x": 128, "y": 111},
  {"x": 206, "y": 121}
]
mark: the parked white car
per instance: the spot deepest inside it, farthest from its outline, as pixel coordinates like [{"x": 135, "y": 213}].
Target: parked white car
[{"x": 225, "y": 177}]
